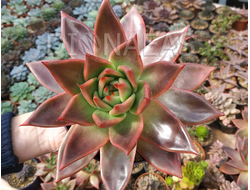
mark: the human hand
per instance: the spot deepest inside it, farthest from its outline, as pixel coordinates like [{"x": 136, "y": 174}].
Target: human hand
[{"x": 30, "y": 142}]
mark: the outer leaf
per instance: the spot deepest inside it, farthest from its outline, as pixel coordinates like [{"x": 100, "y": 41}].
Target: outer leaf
[
  {"x": 104, "y": 120},
  {"x": 68, "y": 73},
  {"x": 94, "y": 180},
  {"x": 77, "y": 37},
  {"x": 192, "y": 76},
  {"x": 240, "y": 123},
  {"x": 133, "y": 24},
  {"x": 127, "y": 54},
  {"x": 44, "y": 76},
  {"x": 164, "y": 161},
  {"x": 108, "y": 30},
  {"x": 229, "y": 170},
  {"x": 110, "y": 73},
  {"x": 121, "y": 164},
  {"x": 46, "y": 116},
  {"x": 78, "y": 111},
  {"x": 125, "y": 134},
  {"x": 233, "y": 154},
  {"x": 160, "y": 76},
  {"x": 71, "y": 184},
  {"x": 238, "y": 164},
  {"x": 74, "y": 167},
  {"x": 242, "y": 133},
  {"x": 243, "y": 180},
  {"x": 92, "y": 137},
  {"x": 143, "y": 98},
  {"x": 94, "y": 66},
  {"x": 165, "y": 48},
  {"x": 190, "y": 108},
  {"x": 164, "y": 130}
]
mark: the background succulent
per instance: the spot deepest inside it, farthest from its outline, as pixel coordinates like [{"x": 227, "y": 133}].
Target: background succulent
[
  {"x": 48, "y": 13},
  {"x": 118, "y": 10},
  {"x": 4, "y": 10},
  {"x": 227, "y": 185},
  {"x": 26, "y": 106},
  {"x": 93, "y": 4},
  {"x": 81, "y": 12},
  {"x": 26, "y": 43},
  {"x": 217, "y": 155},
  {"x": 46, "y": 42},
  {"x": 6, "y": 107},
  {"x": 6, "y": 45},
  {"x": 33, "y": 3},
  {"x": 11, "y": 58},
  {"x": 19, "y": 32},
  {"x": 20, "y": 9},
  {"x": 32, "y": 80},
  {"x": 61, "y": 52},
  {"x": 19, "y": 73},
  {"x": 21, "y": 91},
  {"x": 178, "y": 26},
  {"x": 34, "y": 12},
  {"x": 8, "y": 18},
  {"x": 13, "y": 3},
  {"x": 41, "y": 94},
  {"x": 36, "y": 23},
  {"x": 32, "y": 55},
  {"x": 201, "y": 132},
  {"x": 58, "y": 5},
  {"x": 6, "y": 32},
  {"x": 22, "y": 21}
]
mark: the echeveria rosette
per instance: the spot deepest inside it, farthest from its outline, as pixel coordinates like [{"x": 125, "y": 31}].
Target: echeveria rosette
[{"x": 121, "y": 98}]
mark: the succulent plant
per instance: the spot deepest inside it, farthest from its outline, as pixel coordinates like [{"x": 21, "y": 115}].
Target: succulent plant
[
  {"x": 19, "y": 32},
  {"x": 34, "y": 12},
  {"x": 199, "y": 24},
  {"x": 192, "y": 3},
  {"x": 19, "y": 73},
  {"x": 91, "y": 19},
  {"x": 150, "y": 5},
  {"x": 32, "y": 80},
  {"x": 216, "y": 153},
  {"x": 46, "y": 169},
  {"x": 227, "y": 185},
  {"x": 58, "y": 5},
  {"x": 65, "y": 184},
  {"x": 242, "y": 12},
  {"x": 26, "y": 172},
  {"x": 238, "y": 164},
  {"x": 186, "y": 14},
  {"x": 61, "y": 52},
  {"x": 8, "y": 19},
  {"x": 32, "y": 55},
  {"x": 240, "y": 95},
  {"x": 221, "y": 40},
  {"x": 6, "y": 45},
  {"x": 13, "y": 3},
  {"x": 93, "y": 4},
  {"x": 41, "y": 94},
  {"x": 75, "y": 3},
  {"x": 116, "y": 88},
  {"x": 242, "y": 124},
  {"x": 118, "y": 10},
  {"x": 20, "y": 9},
  {"x": 46, "y": 42},
  {"x": 6, "y": 32},
  {"x": 33, "y": 3},
  {"x": 26, "y": 43},
  {"x": 174, "y": 4},
  {"x": 4, "y": 10},
  {"x": 81, "y": 12},
  {"x": 243, "y": 78},
  {"x": 6, "y": 107},
  {"x": 208, "y": 4},
  {"x": 161, "y": 26},
  {"x": 21, "y": 91},
  {"x": 178, "y": 26},
  {"x": 203, "y": 35},
  {"x": 48, "y": 13},
  {"x": 26, "y": 106},
  {"x": 169, "y": 181},
  {"x": 223, "y": 102},
  {"x": 234, "y": 60},
  {"x": 49, "y": 1},
  {"x": 5, "y": 80},
  {"x": 165, "y": 14},
  {"x": 22, "y": 21},
  {"x": 11, "y": 58},
  {"x": 235, "y": 36},
  {"x": 149, "y": 181},
  {"x": 239, "y": 48},
  {"x": 201, "y": 132},
  {"x": 206, "y": 14},
  {"x": 194, "y": 46}
]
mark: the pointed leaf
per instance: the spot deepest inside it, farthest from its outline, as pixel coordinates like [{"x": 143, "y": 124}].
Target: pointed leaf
[
  {"x": 78, "y": 111},
  {"x": 82, "y": 142},
  {"x": 81, "y": 176},
  {"x": 190, "y": 108},
  {"x": 48, "y": 186},
  {"x": 46, "y": 116},
  {"x": 238, "y": 165},
  {"x": 233, "y": 154},
  {"x": 123, "y": 107},
  {"x": 94, "y": 66},
  {"x": 116, "y": 167},
  {"x": 109, "y": 31},
  {"x": 100, "y": 104},
  {"x": 102, "y": 83},
  {"x": 240, "y": 123},
  {"x": 242, "y": 133},
  {"x": 164, "y": 161},
  {"x": 242, "y": 180},
  {"x": 229, "y": 170},
  {"x": 68, "y": 73},
  {"x": 110, "y": 73},
  {"x": 77, "y": 37},
  {"x": 127, "y": 54},
  {"x": 133, "y": 24},
  {"x": 112, "y": 100},
  {"x": 143, "y": 98},
  {"x": 164, "y": 130},
  {"x": 165, "y": 48},
  {"x": 71, "y": 184},
  {"x": 192, "y": 76},
  {"x": 74, "y": 167},
  {"x": 130, "y": 74},
  {"x": 125, "y": 134},
  {"x": 160, "y": 76},
  {"x": 244, "y": 114},
  {"x": 104, "y": 120},
  {"x": 44, "y": 76},
  {"x": 125, "y": 89},
  {"x": 94, "y": 180}
]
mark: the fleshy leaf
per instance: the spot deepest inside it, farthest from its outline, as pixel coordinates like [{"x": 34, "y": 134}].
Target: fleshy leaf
[
  {"x": 233, "y": 154},
  {"x": 164, "y": 130},
  {"x": 46, "y": 116},
  {"x": 127, "y": 54},
  {"x": 229, "y": 170},
  {"x": 165, "y": 48},
  {"x": 69, "y": 75},
  {"x": 74, "y": 167},
  {"x": 44, "y": 76},
  {"x": 112, "y": 100},
  {"x": 160, "y": 76},
  {"x": 164, "y": 161},
  {"x": 238, "y": 165},
  {"x": 130, "y": 74},
  {"x": 94, "y": 66},
  {"x": 121, "y": 164},
  {"x": 78, "y": 111},
  {"x": 82, "y": 142},
  {"x": 125, "y": 134},
  {"x": 242, "y": 180},
  {"x": 108, "y": 31},
  {"x": 142, "y": 98},
  {"x": 77, "y": 37},
  {"x": 242, "y": 133},
  {"x": 94, "y": 180},
  {"x": 240, "y": 123},
  {"x": 110, "y": 73},
  {"x": 190, "y": 108},
  {"x": 48, "y": 186},
  {"x": 123, "y": 107},
  {"x": 88, "y": 88},
  {"x": 192, "y": 76},
  {"x": 104, "y": 120},
  {"x": 100, "y": 104},
  {"x": 124, "y": 88},
  {"x": 133, "y": 24},
  {"x": 102, "y": 83}
]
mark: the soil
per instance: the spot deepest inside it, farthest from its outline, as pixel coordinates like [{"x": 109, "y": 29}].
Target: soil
[
  {"x": 151, "y": 169},
  {"x": 25, "y": 177},
  {"x": 193, "y": 157},
  {"x": 138, "y": 158},
  {"x": 137, "y": 167}
]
